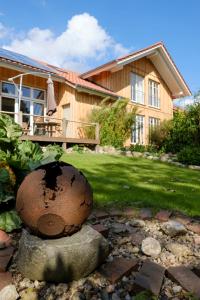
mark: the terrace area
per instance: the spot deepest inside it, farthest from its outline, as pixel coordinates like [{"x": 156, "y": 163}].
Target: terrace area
[{"x": 47, "y": 129}]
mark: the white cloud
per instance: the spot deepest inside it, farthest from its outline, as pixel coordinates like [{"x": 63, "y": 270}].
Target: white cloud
[
  {"x": 4, "y": 31},
  {"x": 82, "y": 43}
]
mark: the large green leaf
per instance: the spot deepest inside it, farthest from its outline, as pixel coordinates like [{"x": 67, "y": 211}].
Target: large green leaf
[
  {"x": 29, "y": 150},
  {"x": 6, "y": 190},
  {"x": 4, "y": 176},
  {"x": 10, "y": 221},
  {"x": 9, "y": 130}
]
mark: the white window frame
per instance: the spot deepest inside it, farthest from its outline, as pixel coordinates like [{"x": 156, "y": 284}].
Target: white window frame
[
  {"x": 154, "y": 93},
  {"x": 137, "y": 95},
  {"x": 31, "y": 99},
  {"x": 153, "y": 122},
  {"x": 138, "y": 130}
]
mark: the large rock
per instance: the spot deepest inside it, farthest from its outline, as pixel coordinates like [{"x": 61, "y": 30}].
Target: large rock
[
  {"x": 173, "y": 228},
  {"x": 64, "y": 259}
]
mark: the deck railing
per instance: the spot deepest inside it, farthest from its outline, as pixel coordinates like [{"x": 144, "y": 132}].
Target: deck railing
[{"x": 53, "y": 127}]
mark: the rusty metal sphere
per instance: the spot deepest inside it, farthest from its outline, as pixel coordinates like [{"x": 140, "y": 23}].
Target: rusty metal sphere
[{"x": 54, "y": 200}]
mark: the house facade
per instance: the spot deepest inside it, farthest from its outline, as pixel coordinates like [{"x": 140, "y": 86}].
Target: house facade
[{"x": 148, "y": 78}]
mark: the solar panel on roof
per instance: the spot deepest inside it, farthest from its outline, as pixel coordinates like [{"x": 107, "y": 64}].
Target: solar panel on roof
[{"x": 7, "y": 54}]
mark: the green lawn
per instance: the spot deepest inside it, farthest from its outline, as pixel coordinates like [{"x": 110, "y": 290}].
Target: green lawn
[{"x": 120, "y": 181}]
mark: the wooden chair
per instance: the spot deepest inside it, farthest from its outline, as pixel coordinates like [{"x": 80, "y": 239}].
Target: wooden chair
[{"x": 25, "y": 128}]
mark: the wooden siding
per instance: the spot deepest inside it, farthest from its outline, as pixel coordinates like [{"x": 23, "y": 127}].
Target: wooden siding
[
  {"x": 119, "y": 82},
  {"x": 84, "y": 104},
  {"x": 66, "y": 96}
]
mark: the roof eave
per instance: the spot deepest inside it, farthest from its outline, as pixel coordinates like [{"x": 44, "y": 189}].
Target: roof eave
[
  {"x": 24, "y": 68},
  {"x": 91, "y": 91}
]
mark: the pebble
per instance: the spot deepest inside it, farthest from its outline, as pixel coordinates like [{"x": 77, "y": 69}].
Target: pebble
[
  {"x": 9, "y": 293},
  {"x": 173, "y": 228},
  {"x": 151, "y": 247},
  {"x": 115, "y": 297},
  {"x": 178, "y": 250},
  {"x": 95, "y": 287},
  {"x": 137, "y": 223},
  {"x": 177, "y": 289}
]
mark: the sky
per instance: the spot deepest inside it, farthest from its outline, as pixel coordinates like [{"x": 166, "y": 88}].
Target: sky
[{"x": 82, "y": 34}]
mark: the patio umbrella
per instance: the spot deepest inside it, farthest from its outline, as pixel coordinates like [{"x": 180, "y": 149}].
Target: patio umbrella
[{"x": 51, "y": 102}]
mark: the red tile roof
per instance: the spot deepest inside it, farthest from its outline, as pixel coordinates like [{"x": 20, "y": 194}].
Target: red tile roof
[{"x": 75, "y": 79}]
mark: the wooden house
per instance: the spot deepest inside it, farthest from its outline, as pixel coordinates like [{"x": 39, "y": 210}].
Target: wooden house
[{"x": 149, "y": 78}]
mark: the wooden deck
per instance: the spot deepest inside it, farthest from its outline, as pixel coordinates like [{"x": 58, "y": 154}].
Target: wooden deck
[
  {"x": 60, "y": 139},
  {"x": 45, "y": 129}
]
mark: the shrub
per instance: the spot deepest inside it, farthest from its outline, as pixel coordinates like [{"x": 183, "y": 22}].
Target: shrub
[
  {"x": 17, "y": 159},
  {"x": 189, "y": 155},
  {"x": 185, "y": 130},
  {"x": 159, "y": 134},
  {"x": 137, "y": 148},
  {"x": 115, "y": 120}
]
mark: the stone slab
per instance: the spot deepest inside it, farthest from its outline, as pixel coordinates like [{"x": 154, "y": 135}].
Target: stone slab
[
  {"x": 197, "y": 270},
  {"x": 130, "y": 212},
  {"x": 182, "y": 219},
  {"x": 145, "y": 214},
  {"x": 99, "y": 214},
  {"x": 150, "y": 277},
  {"x": 163, "y": 215},
  {"x": 118, "y": 268},
  {"x": 5, "y": 240},
  {"x": 115, "y": 213},
  {"x": 194, "y": 227},
  {"x": 101, "y": 229},
  {"x": 64, "y": 259},
  {"x": 5, "y": 279},
  {"x": 5, "y": 256},
  {"x": 186, "y": 278}
]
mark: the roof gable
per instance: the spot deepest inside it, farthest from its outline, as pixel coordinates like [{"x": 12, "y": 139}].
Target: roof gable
[{"x": 162, "y": 61}]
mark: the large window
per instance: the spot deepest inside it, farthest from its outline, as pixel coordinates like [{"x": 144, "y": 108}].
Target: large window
[
  {"x": 154, "y": 94},
  {"x": 138, "y": 130},
  {"x": 32, "y": 102},
  {"x": 153, "y": 122},
  {"x": 137, "y": 88}
]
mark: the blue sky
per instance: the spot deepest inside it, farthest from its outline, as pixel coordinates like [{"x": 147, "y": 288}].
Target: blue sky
[{"x": 81, "y": 34}]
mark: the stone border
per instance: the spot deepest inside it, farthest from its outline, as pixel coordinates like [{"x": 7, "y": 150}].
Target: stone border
[
  {"x": 165, "y": 157},
  {"x": 192, "y": 224}
]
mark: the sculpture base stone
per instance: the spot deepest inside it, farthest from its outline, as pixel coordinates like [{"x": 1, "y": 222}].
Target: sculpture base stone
[{"x": 64, "y": 259}]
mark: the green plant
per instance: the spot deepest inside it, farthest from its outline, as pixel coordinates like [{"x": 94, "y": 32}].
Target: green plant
[
  {"x": 9, "y": 221},
  {"x": 152, "y": 148},
  {"x": 145, "y": 296},
  {"x": 53, "y": 150},
  {"x": 115, "y": 120},
  {"x": 17, "y": 159},
  {"x": 137, "y": 148},
  {"x": 78, "y": 148},
  {"x": 184, "y": 130},
  {"x": 159, "y": 134},
  {"x": 189, "y": 155}
]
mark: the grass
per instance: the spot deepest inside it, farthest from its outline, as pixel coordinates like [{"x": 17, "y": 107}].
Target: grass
[{"x": 119, "y": 182}]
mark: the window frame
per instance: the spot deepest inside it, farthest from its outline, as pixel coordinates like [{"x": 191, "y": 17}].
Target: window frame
[
  {"x": 138, "y": 137},
  {"x": 155, "y": 121},
  {"x": 153, "y": 101},
  {"x": 31, "y": 99},
  {"x": 134, "y": 91}
]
